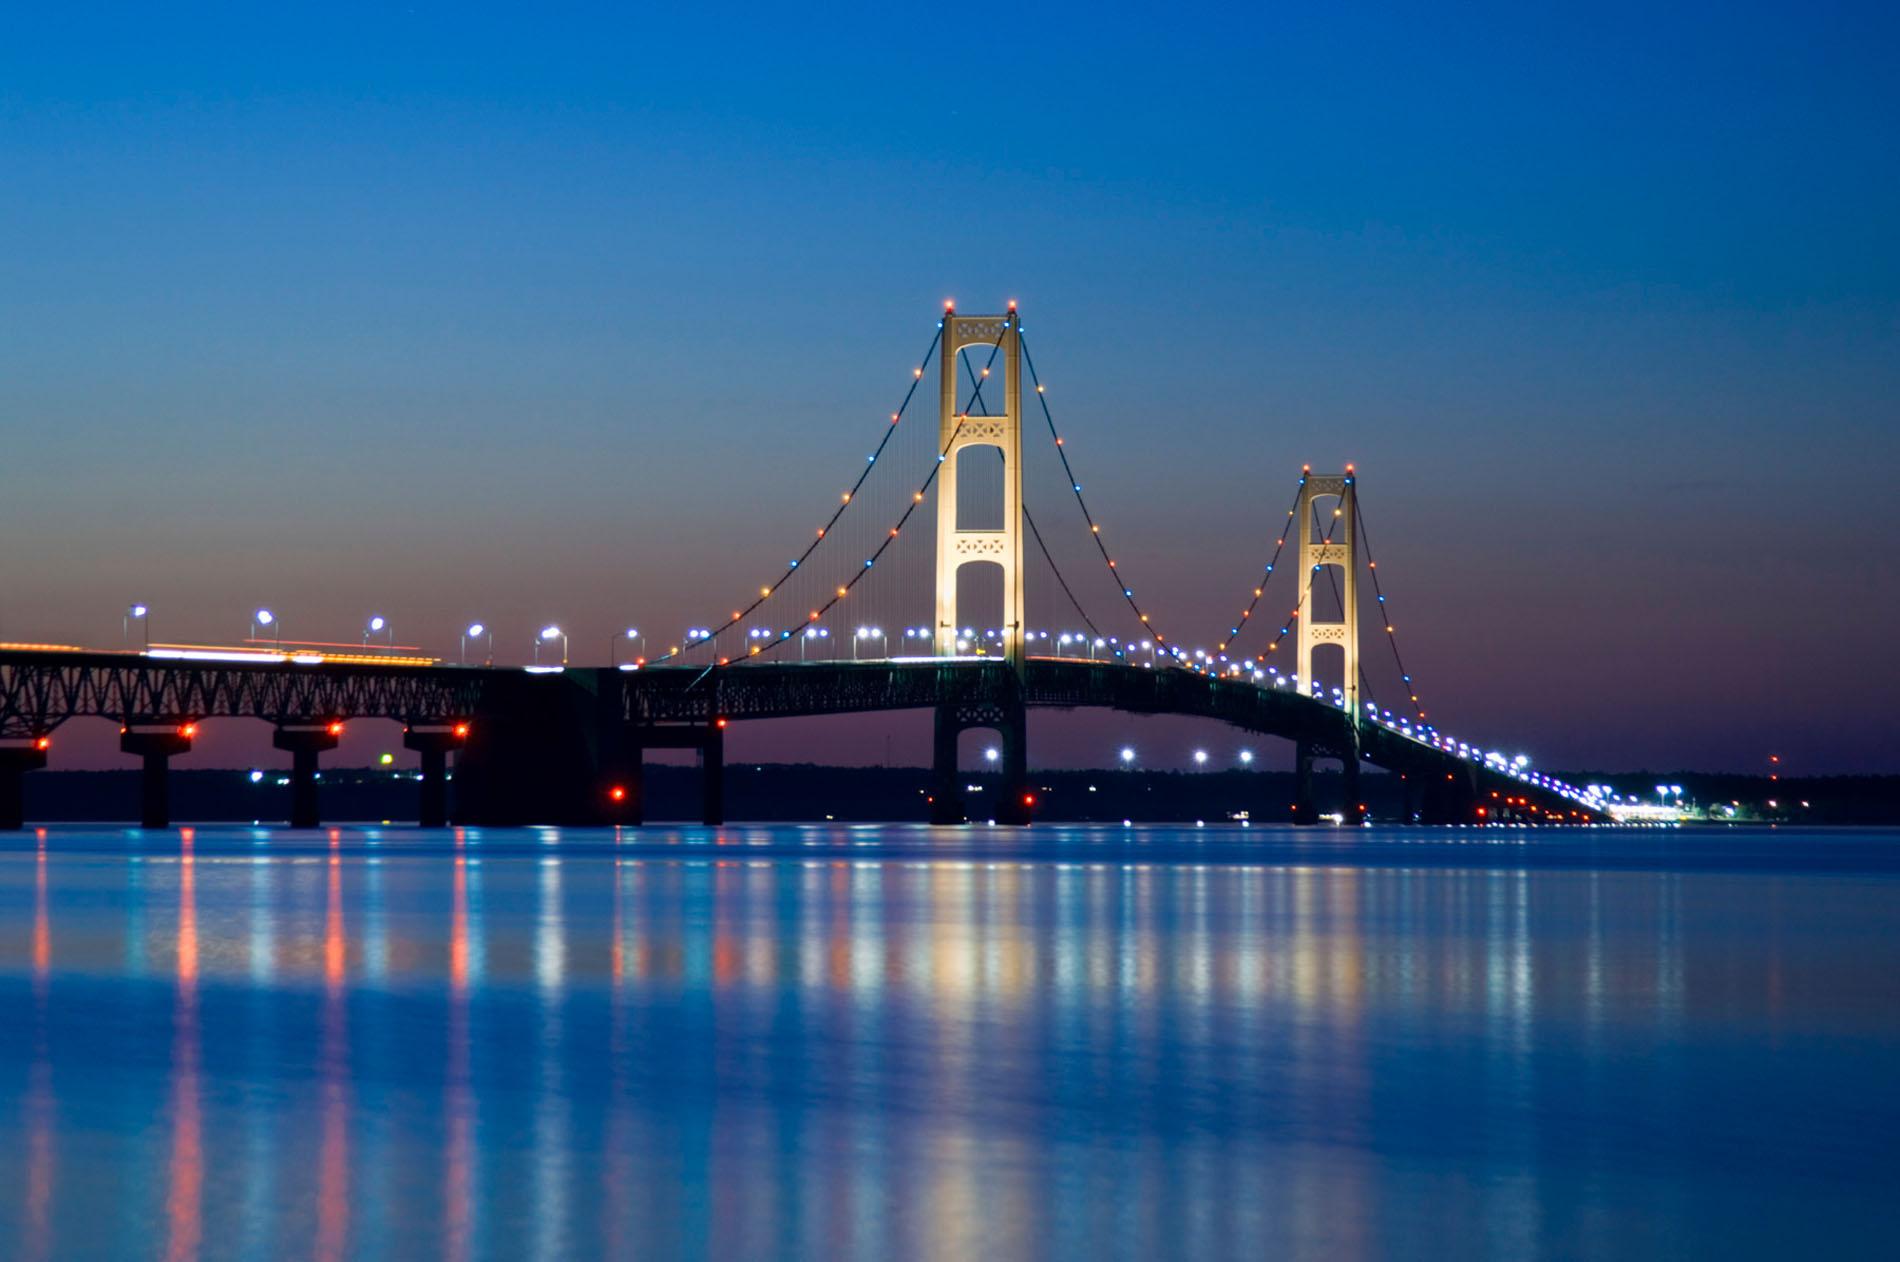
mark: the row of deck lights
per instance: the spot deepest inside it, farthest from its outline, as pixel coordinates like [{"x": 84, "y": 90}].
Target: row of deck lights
[{"x": 265, "y": 622}]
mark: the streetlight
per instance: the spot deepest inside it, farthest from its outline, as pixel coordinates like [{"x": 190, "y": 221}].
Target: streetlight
[
  {"x": 869, "y": 633},
  {"x": 475, "y": 631},
  {"x": 811, "y": 633},
  {"x": 1246, "y": 758},
  {"x": 1128, "y": 755},
  {"x": 992, "y": 754},
  {"x": 1200, "y": 757},
  {"x": 143, "y": 615},
  {"x": 550, "y": 633},
  {"x": 265, "y": 618},
  {"x": 376, "y": 625},
  {"x": 629, "y": 635}
]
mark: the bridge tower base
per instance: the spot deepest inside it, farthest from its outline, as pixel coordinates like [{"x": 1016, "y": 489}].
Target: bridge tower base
[
  {"x": 1305, "y": 807},
  {"x": 156, "y": 748},
  {"x": 303, "y": 745},
  {"x": 15, "y": 762},
  {"x": 1011, "y": 724}
]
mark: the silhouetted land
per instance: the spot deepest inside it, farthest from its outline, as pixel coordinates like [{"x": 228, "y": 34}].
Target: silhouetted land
[{"x": 805, "y": 792}]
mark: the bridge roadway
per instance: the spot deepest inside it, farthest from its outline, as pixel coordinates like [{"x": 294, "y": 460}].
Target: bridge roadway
[{"x": 567, "y": 747}]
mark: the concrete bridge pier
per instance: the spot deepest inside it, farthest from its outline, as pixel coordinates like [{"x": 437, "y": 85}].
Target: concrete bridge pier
[
  {"x": 156, "y": 747},
  {"x": 434, "y": 744},
  {"x": 1304, "y": 810},
  {"x": 1354, "y": 807},
  {"x": 304, "y": 744},
  {"x": 15, "y": 761},
  {"x": 712, "y": 775}
]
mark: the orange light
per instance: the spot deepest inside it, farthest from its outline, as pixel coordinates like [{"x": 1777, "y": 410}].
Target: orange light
[
  {"x": 949, "y": 304},
  {"x": 720, "y": 724},
  {"x": 461, "y": 730},
  {"x": 46, "y": 742},
  {"x": 336, "y": 729},
  {"x": 188, "y": 731},
  {"x": 1012, "y": 304},
  {"x": 1029, "y": 799},
  {"x": 617, "y": 793}
]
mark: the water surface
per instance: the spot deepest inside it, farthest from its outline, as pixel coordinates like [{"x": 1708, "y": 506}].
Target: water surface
[{"x": 892, "y": 1041}]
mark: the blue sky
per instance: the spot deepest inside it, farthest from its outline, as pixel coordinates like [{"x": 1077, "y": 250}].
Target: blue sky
[{"x": 584, "y": 314}]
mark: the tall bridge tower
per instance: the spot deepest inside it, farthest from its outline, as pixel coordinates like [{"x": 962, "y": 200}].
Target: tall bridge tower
[
  {"x": 958, "y": 431},
  {"x": 1337, "y": 549},
  {"x": 1331, "y": 546}
]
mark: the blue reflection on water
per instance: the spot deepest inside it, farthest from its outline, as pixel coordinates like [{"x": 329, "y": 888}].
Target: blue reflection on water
[{"x": 883, "y": 1042}]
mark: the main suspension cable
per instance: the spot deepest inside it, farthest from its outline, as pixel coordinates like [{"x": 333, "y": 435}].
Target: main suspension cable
[
  {"x": 1391, "y": 634},
  {"x": 890, "y": 537},
  {"x": 1095, "y": 529},
  {"x": 766, "y": 592},
  {"x": 1095, "y": 632},
  {"x": 1260, "y": 589}
]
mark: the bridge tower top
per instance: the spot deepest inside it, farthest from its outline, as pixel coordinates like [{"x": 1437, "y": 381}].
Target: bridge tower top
[
  {"x": 957, "y": 545},
  {"x": 1336, "y": 546}
]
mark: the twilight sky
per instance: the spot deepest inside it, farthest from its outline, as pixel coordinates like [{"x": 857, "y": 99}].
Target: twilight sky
[{"x": 588, "y": 316}]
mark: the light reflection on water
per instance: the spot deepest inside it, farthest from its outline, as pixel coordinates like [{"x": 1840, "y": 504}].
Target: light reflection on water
[{"x": 897, "y": 1042}]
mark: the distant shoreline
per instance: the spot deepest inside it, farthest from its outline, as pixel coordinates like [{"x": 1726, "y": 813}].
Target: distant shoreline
[{"x": 810, "y": 793}]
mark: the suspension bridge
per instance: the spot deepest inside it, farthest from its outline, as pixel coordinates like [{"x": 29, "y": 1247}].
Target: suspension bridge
[{"x": 566, "y": 744}]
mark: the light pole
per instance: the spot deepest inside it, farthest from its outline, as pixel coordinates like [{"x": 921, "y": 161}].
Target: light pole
[
  {"x": 475, "y": 631},
  {"x": 812, "y": 633},
  {"x": 266, "y": 619},
  {"x": 630, "y": 635},
  {"x": 869, "y": 633},
  {"x": 550, "y": 633},
  {"x": 144, "y": 617}
]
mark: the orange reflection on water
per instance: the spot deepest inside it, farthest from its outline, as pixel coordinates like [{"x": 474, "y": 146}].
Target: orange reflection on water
[
  {"x": 185, "y": 1200},
  {"x": 458, "y": 1153},
  {"x": 37, "y": 1239},
  {"x": 333, "y": 1172}
]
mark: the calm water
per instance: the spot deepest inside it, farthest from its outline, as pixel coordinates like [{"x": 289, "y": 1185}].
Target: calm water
[{"x": 894, "y": 1042}]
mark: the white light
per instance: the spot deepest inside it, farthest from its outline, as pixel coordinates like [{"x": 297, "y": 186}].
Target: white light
[
  {"x": 475, "y": 630},
  {"x": 1246, "y": 756},
  {"x": 257, "y": 777},
  {"x": 992, "y": 753},
  {"x": 550, "y": 632},
  {"x": 1200, "y": 757},
  {"x": 138, "y": 611},
  {"x": 265, "y": 617},
  {"x": 633, "y": 633},
  {"x": 214, "y": 655},
  {"x": 1128, "y": 753},
  {"x": 377, "y": 623}
]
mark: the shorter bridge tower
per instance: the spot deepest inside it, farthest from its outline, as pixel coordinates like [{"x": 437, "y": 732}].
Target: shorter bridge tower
[{"x": 1333, "y": 546}]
